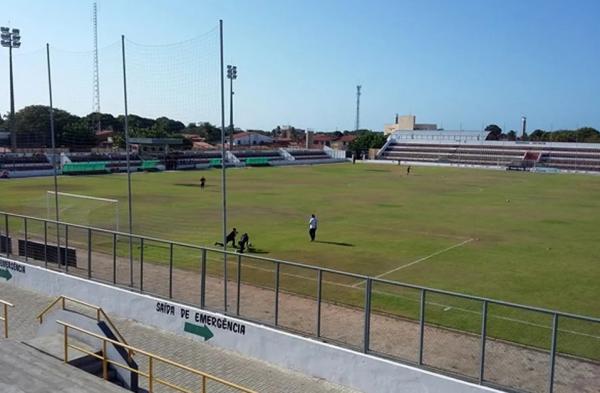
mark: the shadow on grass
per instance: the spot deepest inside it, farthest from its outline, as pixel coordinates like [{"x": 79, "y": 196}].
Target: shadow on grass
[{"x": 335, "y": 243}]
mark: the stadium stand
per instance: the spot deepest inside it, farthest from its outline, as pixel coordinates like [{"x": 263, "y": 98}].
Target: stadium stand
[
  {"x": 24, "y": 162},
  {"x": 257, "y": 157},
  {"x": 511, "y": 155},
  {"x": 191, "y": 159}
]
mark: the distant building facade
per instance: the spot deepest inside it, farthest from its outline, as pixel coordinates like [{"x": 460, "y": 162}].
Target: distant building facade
[
  {"x": 407, "y": 123},
  {"x": 251, "y": 139}
]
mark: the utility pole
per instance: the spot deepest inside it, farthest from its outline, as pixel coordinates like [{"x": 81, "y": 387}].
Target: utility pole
[
  {"x": 357, "y": 125},
  {"x": 11, "y": 39}
]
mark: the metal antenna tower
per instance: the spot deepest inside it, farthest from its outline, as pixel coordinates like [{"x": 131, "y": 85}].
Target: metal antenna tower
[
  {"x": 357, "y": 125},
  {"x": 96, "y": 71}
]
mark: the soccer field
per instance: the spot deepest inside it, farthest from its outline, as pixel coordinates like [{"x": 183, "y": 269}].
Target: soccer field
[{"x": 521, "y": 237}]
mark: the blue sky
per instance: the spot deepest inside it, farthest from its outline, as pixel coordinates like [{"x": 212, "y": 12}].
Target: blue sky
[{"x": 458, "y": 63}]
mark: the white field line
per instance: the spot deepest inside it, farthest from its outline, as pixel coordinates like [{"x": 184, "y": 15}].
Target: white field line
[
  {"x": 441, "y": 305},
  {"x": 419, "y": 260}
]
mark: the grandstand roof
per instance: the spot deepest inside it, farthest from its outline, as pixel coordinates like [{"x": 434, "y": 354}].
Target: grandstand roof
[{"x": 435, "y": 136}]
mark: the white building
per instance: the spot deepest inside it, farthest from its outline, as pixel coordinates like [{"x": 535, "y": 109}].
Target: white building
[{"x": 251, "y": 139}]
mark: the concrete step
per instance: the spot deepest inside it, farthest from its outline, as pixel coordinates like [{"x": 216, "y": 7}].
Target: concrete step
[{"x": 27, "y": 370}]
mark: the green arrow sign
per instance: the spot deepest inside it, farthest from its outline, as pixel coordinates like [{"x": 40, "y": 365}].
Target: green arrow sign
[
  {"x": 6, "y": 274},
  {"x": 202, "y": 331}
]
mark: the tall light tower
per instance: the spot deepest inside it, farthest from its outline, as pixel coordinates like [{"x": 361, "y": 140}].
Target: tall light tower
[
  {"x": 11, "y": 39},
  {"x": 231, "y": 75},
  {"x": 523, "y": 126},
  {"x": 357, "y": 125},
  {"x": 96, "y": 70}
]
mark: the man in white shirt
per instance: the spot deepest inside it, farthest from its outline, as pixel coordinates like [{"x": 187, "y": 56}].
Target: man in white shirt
[{"x": 312, "y": 227}]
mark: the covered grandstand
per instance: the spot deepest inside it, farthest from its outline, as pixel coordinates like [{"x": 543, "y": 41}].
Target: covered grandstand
[{"x": 471, "y": 148}]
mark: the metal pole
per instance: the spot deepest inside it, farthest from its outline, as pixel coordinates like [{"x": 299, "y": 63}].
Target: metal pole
[
  {"x": 277, "y": 267},
  {"x": 553, "y": 353},
  {"x": 170, "y": 270},
  {"x": 231, "y": 113},
  {"x": 26, "y": 240},
  {"x": 141, "y": 264},
  {"x": 46, "y": 244},
  {"x": 53, "y": 141},
  {"x": 66, "y": 247},
  {"x": 239, "y": 284},
  {"x": 223, "y": 166},
  {"x": 367, "y": 332},
  {"x": 13, "y": 122},
  {"x": 483, "y": 337},
  {"x": 319, "y": 293},
  {"x": 203, "y": 280},
  {"x": 421, "y": 326},
  {"x": 89, "y": 241},
  {"x": 8, "y": 241},
  {"x": 114, "y": 252},
  {"x": 127, "y": 161}
]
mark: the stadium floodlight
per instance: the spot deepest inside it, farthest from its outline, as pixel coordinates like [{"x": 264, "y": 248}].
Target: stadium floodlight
[
  {"x": 11, "y": 39},
  {"x": 231, "y": 75}
]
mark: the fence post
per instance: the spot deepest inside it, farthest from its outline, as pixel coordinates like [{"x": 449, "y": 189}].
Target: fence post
[
  {"x": 26, "y": 239},
  {"x": 170, "y": 270},
  {"x": 421, "y": 325},
  {"x": 114, "y": 251},
  {"x": 553, "y": 353},
  {"x": 276, "y": 293},
  {"x": 66, "y": 259},
  {"x": 46, "y": 244},
  {"x": 89, "y": 245},
  {"x": 367, "y": 332},
  {"x": 8, "y": 246},
  {"x": 239, "y": 280},
  {"x": 319, "y": 292},
  {"x": 141, "y": 264},
  {"x": 483, "y": 338},
  {"x": 203, "y": 279},
  {"x": 150, "y": 375},
  {"x": 66, "y": 343}
]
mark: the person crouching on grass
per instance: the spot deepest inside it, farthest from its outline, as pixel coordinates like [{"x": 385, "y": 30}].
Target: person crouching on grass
[{"x": 312, "y": 227}]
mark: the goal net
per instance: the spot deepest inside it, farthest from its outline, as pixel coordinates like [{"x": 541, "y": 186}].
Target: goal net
[{"x": 84, "y": 210}]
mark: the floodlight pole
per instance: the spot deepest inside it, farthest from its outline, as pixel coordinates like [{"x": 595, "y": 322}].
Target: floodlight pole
[
  {"x": 129, "y": 204},
  {"x": 231, "y": 75},
  {"x": 11, "y": 39},
  {"x": 53, "y": 139},
  {"x": 223, "y": 171},
  {"x": 13, "y": 134}
]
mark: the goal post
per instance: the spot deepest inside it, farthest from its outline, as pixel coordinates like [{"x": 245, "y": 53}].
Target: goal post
[{"x": 84, "y": 209}]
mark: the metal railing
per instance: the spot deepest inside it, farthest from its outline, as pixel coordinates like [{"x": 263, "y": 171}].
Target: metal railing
[
  {"x": 100, "y": 314},
  {"x": 4, "y": 317},
  {"x": 152, "y": 363},
  {"x": 398, "y": 321}
]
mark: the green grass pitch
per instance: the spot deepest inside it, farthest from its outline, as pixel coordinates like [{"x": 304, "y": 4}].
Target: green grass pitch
[{"x": 521, "y": 237}]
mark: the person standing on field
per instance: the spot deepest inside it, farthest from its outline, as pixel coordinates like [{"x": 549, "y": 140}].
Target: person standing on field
[
  {"x": 312, "y": 227},
  {"x": 202, "y": 182}
]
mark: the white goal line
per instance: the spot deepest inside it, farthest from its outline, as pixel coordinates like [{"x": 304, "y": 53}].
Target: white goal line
[{"x": 85, "y": 197}]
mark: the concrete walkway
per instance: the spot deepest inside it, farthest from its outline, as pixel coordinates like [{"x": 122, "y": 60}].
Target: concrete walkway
[{"x": 246, "y": 372}]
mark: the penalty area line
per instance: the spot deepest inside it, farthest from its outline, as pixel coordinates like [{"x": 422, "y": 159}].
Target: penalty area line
[{"x": 419, "y": 260}]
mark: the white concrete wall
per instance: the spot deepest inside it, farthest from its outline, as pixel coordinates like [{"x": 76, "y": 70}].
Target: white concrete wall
[{"x": 359, "y": 371}]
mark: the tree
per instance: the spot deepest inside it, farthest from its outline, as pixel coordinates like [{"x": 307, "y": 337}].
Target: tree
[
  {"x": 495, "y": 132},
  {"x": 511, "y": 135},
  {"x": 367, "y": 140}
]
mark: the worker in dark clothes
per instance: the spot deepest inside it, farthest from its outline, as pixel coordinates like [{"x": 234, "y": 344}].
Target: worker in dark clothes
[
  {"x": 243, "y": 243},
  {"x": 229, "y": 238},
  {"x": 202, "y": 182}
]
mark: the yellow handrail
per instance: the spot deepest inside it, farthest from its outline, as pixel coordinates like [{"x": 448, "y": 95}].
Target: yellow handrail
[
  {"x": 99, "y": 312},
  {"x": 151, "y": 359},
  {"x": 5, "y": 306}
]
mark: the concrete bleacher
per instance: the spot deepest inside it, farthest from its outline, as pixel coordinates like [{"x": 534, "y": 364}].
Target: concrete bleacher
[
  {"x": 25, "y": 164},
  {"x": 561, "y": 156}
]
